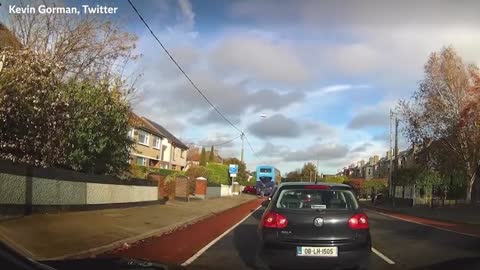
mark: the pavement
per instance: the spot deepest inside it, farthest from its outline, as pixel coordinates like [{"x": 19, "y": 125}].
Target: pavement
[
  {"x": 398, "y": 243},
  {"x": 407, "y": 245},
  {"x": 80, "y": 234},
  {"x": 468, "y": 214}
]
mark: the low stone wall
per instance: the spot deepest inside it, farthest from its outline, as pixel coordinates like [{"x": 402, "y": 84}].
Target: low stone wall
[
  {"x": 27, "y": 189},
  {"x": 213, "y": 192}
]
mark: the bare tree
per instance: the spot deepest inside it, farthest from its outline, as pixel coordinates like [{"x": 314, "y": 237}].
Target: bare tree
[
  {"x": 88, "y": 46},
  {"x": 438, "y": 112}
]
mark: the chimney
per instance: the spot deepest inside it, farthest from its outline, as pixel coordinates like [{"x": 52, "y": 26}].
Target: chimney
[{"x": 389, "y": 154}]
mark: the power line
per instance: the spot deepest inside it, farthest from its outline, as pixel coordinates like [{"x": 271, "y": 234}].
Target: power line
[
  {"x": 181, "y": 69},
  {"x": 188, "y": 77},
  {"x": 248, "y": 142},
  {"x": 218, "y": 144},
  {"x": 231, "y": 140}
]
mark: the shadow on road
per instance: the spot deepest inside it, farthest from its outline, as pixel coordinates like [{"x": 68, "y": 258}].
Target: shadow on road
[
  {"x": 415, "y": 232},
  {"x": 246, "y": 239},
  {"x": 457, "y": 264},
  {"x": 257, "y": 215}
]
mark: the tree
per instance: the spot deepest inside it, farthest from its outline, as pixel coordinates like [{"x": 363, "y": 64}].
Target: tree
[
  {"x": 203, "y": 157},
  {"x": 44, "y": 121},
  {"x": 197, "y": 171},
  {"x": 294, "y": 176},
  {"x": 97, "y": 140},
  {"x": 88, "y": 47},
  {"x": 444, "y": 110},
  {"x": 242, "y": 175},
  {"x": 33, "y": 113},
  {"x": 309, "y": 171},
  {"x": 375, "y": 185},
  {"x": 335, "y": 179},
  {"x": 211, "y": 157}
]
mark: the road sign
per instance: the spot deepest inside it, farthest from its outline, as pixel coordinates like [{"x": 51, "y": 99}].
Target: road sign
[{"x": 233, "y": 170}]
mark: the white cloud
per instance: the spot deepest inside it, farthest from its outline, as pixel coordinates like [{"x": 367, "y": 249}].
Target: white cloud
[
  {"x": 373, "y": 116},
  {"x": 318, "y": 151},
  {"x": 259, "y": 58},
  {"x": 187, "y": 12}
]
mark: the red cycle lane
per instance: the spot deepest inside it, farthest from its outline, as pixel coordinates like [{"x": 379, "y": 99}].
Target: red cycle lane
[{"x": 179, "y": 245}]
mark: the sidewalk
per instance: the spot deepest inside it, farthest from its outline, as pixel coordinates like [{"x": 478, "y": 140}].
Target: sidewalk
[
  {"x": 463, "y": 219},
  {"x": 56, "y": 236}
]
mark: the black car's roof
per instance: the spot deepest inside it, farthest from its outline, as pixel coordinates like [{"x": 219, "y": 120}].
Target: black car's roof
[{"x": 310, "y": 183}]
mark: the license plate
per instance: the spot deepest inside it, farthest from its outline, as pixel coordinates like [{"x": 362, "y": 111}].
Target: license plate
[{"x": 317, "y": 251}]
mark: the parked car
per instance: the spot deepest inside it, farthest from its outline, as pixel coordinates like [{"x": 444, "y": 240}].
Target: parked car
[
  {"x": 249, "y": 190},
  {"x": 314, "y": 225}
]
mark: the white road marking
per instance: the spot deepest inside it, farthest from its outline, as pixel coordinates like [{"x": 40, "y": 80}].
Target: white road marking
[
  {"x": 428, "y": 225},
  {"x": 385, "y": 258},
  {"x": 205, "y": 248}
]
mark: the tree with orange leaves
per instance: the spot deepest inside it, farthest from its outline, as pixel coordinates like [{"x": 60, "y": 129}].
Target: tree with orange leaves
[{"x": 445, "y": 111}]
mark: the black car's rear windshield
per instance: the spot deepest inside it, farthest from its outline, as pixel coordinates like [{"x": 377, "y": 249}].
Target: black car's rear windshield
[{"x": 316, "y": 199}]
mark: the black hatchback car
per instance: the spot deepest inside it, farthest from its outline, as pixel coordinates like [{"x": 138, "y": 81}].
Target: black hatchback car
[{"x": 308, "y": 225}]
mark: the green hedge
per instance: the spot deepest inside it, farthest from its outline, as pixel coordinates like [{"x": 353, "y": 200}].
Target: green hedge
[
  {"x": 218, "y": 173},
  {"x": 138, "y": 171}
]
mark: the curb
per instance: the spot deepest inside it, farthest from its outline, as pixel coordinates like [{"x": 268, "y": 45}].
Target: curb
[{"x": 158, "y": 232}]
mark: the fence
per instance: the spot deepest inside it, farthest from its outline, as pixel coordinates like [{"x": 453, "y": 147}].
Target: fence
[{"x": 433, "y": 197}]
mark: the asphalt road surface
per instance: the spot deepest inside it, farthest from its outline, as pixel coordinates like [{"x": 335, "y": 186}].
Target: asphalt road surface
[{"x": 407, "y": 245}]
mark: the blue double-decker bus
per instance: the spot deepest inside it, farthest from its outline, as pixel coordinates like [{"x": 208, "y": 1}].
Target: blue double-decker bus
[{"x": 267, "y": 176}]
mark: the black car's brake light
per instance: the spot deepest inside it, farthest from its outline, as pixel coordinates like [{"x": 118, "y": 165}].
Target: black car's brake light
[
  {"x": 274, "y": 220},
  {"x": 317, "y": 187},
  {"x": 358, "y": 221}
]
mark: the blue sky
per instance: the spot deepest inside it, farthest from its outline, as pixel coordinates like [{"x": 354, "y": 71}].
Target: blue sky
[{"x": 325, "y": 73}]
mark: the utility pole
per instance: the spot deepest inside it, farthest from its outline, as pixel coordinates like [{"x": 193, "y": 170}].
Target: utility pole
[
  {"x": 390, "y": 182},
  {"x": 241, "y": 153},
  {"x": 395, "y": 166},
  {"x": 316, "y": 171}
]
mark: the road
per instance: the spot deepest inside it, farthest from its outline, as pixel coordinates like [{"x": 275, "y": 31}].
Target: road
[{"x": 407, "y": 245}]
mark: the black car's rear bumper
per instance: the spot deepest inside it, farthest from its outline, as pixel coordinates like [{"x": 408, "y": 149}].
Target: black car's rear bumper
[{"x": 284, "y": 255}]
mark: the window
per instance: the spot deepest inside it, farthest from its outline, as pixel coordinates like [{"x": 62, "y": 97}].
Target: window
[
  {"x": 143, "y": 137},
  {"x": 162, "y": 152},
  {"x": 183, "y": 153},
  {"x": 130, "y": 133},
  {"x": 316, "y": 199},
  {"x": 156, "y": 142},
  {"x": 141, "y": 161},
  {"x": 265, "y": 170}
]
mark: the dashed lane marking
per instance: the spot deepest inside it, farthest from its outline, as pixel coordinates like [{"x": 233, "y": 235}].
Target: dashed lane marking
[{"x": 383, "y": 257}]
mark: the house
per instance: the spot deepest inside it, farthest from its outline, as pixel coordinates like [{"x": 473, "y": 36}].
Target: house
[
  {"x": 178, "y": 153},
  {"x": 155, "y": 146},
  {"x": 194, "y": 153}
]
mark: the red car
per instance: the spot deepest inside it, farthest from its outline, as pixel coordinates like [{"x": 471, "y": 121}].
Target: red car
[{"x": 249, "y": 190}]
